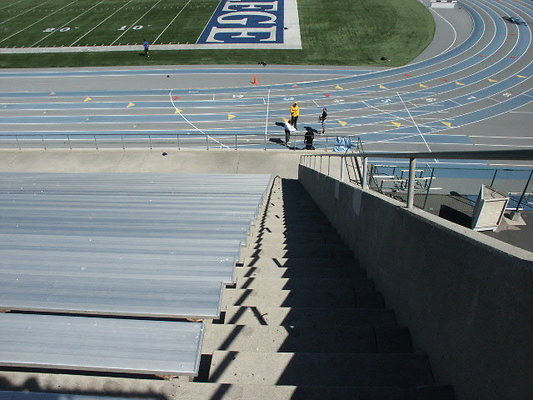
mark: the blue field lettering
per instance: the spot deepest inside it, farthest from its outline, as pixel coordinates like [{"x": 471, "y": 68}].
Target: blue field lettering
[{"x": 239, "y": 21}]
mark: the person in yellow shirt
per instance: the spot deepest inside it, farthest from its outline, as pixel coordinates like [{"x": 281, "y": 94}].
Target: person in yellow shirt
[{"x": 295, "y": 113}]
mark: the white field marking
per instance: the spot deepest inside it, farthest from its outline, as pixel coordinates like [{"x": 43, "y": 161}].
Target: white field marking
[
  {"x": 25, "y": 12},
  {"x": 414, "y": 122},
  {"x": 503, "y": 137},
  {"x": 504, "y": 145},
  {"x": 316, "y": 104},
  {"x": 14, "y": 4},
  {"x": 267, "y": 114},
  {"x": 391, "y": 114},
  {"x": 207, "y": 23},
  {"x": 65, "y": 24},
  {"x": 521, "y": 112},
  {"x": 453, "y": 28},
  {"x": 134, "y": 23},
  {"x": 191, "y": 124},
  {"x": 100, "y": 23},
  {"x": 36, "y": 22},
  {"x": 171, "y": 22}
]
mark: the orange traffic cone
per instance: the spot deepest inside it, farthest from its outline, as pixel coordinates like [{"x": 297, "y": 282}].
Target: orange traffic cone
[{"x": 255, "y": 81}]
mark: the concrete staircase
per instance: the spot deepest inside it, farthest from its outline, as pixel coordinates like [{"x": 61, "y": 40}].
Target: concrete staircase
[{"x": 304, "y": 322}]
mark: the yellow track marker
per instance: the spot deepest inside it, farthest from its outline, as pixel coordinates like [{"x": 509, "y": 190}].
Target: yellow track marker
[
  {"x": 87, "y": 99},
  {"x": 343, "y": 123},
  {"x": 383, "y": 87},
  {"x": 396, "y": 124},
  {"x": 339, "y": 87},
  {"x": 459, "y": 83},
  {"x": 492, "y": 80},
  {"x": 448, "y": 124},
  {"x": 178, "y": 111},
  {"x": 131, "y": 105},
  {"x": 520, "y": 76},
  {"x": 422, "y": 85},
  {"x": 231, "y": 116}
]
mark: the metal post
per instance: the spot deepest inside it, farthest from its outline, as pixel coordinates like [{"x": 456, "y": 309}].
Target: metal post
[
  {"x": 150, "y": 140},
  {"x": 341, "y": 177},
  {"x": 429, "y": 187},
  {"x": 95, "y": 142},
  {"x": 411, "y": 187},
  {"x": 320, "y": 164},
  {"x": 122, "y": 140},
  {"x": 326, "y": 143},
  {"x": 44, "y": 144},
  {"x": 178, "y": 141},
  {"x": 236, "y": 145},
  {"x": 68, "y": 139},
  {"x": 364, "y": 178},
  {"x": 524, "y": 191},
  {"x": 18, "y": 143},
  {"x": 329, "y": 163},
  {"x": 493, "y": 178},
  {"x": 314, "y": 162},
  {"x": 206, "y": 142}
]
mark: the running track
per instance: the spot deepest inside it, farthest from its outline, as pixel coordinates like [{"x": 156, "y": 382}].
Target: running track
[{"x": 441, "y": 103}]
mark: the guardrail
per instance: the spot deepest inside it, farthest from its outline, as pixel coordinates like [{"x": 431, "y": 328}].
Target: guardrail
[
  {"x": 159, "y": 140},
  {"x": 356, "y": 166}
]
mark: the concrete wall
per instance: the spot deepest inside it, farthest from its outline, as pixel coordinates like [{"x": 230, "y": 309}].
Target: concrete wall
[
  {"x": 466, "y": 298},
  {"x": 283, "y": 163}
]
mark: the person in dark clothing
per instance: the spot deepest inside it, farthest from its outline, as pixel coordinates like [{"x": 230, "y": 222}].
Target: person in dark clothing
[
  {"x": 322, "y": 119},
  {"x": 309, "y": 137},
  {"x": 146, "y": 46}
]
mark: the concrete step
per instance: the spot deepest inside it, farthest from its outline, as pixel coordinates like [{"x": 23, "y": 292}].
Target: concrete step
[
  {"x": 300, "y": 263},
  {"x": 305, "y": 283},
  {"x": 399, "y": 370},
  {"x": 220, "y": 391},
  {"x": 307, "y": 297},
  {"x": 300, "y": 273},
  {"x": 310, "y": 251},
  {"x": 308, "y": 317},
  {"x": 324, "y": 237},
  {"x": 326, "y": 339}
]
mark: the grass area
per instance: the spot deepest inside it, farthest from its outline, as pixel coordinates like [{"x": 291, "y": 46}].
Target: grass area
[{"x": 334, "y": 32}]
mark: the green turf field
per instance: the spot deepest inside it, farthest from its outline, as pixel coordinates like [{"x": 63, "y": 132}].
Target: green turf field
[{"x": 334, "y": 32}]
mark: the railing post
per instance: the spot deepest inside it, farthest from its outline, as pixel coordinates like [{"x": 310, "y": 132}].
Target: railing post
[
  {"x": 524, "y": 191},
  {"x": 44, "y": 144},
  {"x": 95, "y": 142},
  {"x": 18, "y": 143},
  {"x": 341, "y": 173},
  {"x": 178, "y": 141},
  {"x": 206, "y": 142},
  {"x": 236, "y": 144},
  {"x": 69, "y": 145},
  {"x": 329, "y": 164},
  {"x": 150, "y": 139},
  {"x": 493, "y": 178},
  {"x": 364, "y": 178},
  {"x": 411, "y": 187},
  {"x": 122, "y": 140}
]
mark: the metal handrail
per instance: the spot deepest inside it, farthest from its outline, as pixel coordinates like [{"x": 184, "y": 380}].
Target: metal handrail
[{"x": 508, "y": 155}]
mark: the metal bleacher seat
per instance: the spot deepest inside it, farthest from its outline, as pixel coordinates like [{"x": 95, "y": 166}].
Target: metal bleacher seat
[{"x": 134, "y": 248}]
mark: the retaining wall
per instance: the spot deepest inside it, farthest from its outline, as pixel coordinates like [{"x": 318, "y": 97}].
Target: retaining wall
[{"x": 466, "y": 298}]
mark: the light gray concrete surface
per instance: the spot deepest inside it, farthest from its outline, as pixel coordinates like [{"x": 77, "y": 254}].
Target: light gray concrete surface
[
  {"x": 465, "y": 297},
  {"x": 282, "y": 163}
]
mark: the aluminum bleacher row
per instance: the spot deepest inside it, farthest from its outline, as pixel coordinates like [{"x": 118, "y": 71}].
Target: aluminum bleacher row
[{"x": 91, "y": 264}]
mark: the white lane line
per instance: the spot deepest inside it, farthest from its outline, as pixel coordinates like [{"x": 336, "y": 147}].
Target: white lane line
[
  {"x": 25, "y": 12},
  {"x": 134, "y": 23},
  {"x": 191, "y": 124},
  {"x": 36, "y": 22},
  {"x": 66, "y": 24},
  {"x": 171, "y": 22},
  {"x": 414, "y": 122},
  {"x": 267, "y": 115},
  {"x": 453, "y": 28}
]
